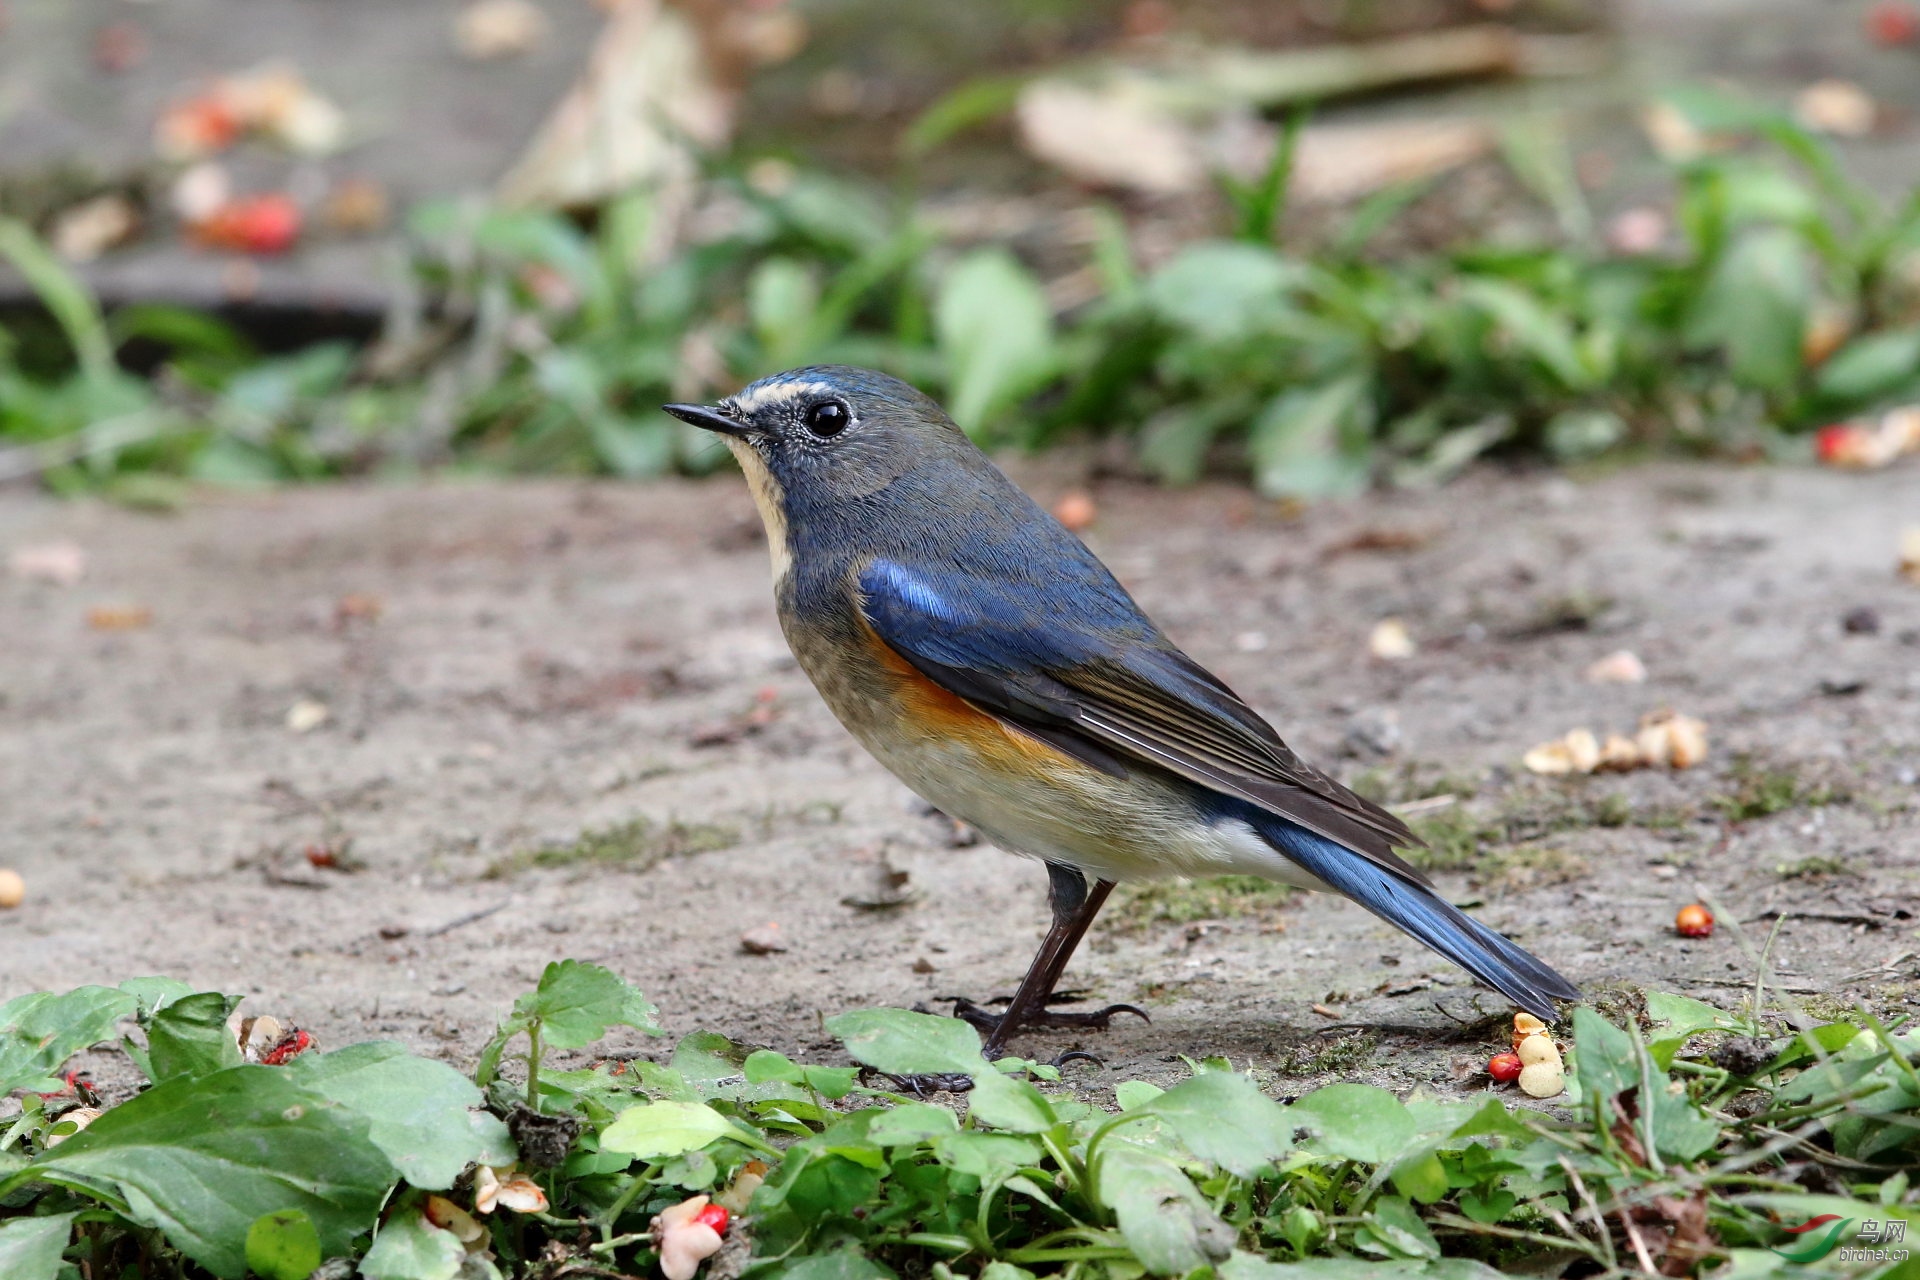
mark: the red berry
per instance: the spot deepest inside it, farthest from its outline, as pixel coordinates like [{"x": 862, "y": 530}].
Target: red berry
[
  {"x": 1893, "y": 22},
  {"x": 1694, "y": 921},
  {"x": 1504, "y": 1067},
  {"x": 295, "y": 1043},
  {"x": 267, "y": 223},
  {"x": 714, "y": 1216}
]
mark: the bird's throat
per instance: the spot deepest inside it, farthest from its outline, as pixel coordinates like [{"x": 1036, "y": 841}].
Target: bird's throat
[{"x": 767, "y": 496}]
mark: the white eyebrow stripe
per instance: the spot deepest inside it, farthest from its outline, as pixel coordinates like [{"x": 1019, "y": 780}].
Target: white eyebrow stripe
[{"x": 753, "y": 400}]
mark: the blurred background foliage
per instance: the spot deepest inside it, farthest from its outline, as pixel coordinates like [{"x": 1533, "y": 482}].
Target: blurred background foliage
[{"x": 534, "y": 342}]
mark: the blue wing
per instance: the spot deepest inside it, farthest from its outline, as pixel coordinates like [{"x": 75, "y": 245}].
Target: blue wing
[
  {"x": 1108, "y": 680},
  {"x": 1108, "y": 687}
]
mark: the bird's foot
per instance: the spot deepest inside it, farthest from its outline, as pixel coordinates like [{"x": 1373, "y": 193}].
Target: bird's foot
[
  {"x": 989, "y": 1021},
  {"x": 921, "y": 1086}
]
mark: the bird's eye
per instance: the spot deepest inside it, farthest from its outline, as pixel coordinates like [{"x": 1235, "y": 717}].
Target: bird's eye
[{"x": 826, "y": 418}]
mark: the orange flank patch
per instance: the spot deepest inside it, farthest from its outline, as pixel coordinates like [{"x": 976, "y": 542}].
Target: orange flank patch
[{"x": 939, "y": 713}]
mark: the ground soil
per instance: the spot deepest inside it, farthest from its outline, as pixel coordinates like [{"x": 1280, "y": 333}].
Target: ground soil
[{"x": 555, "y": 659}]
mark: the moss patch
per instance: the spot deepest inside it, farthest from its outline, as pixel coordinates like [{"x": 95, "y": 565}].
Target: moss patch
[
  {"x": 1136, "y": 906},
  {"x": 1760, "y": 790},
  {"x": 634, "y": 845}
]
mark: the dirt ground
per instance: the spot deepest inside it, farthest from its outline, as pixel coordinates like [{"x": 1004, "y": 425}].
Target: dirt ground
[{"x": 556, "y": 660}]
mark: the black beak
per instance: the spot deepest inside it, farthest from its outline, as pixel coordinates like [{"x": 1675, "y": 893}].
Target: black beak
[{"x": 712, "y": 419}]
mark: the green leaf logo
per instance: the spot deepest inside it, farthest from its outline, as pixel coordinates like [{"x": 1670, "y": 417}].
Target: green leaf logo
[{"x": 1819, "y": 1246}]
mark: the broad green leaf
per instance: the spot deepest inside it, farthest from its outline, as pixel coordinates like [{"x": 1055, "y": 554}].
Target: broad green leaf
[
  {"x": 1245, "y": 1266},
  {"x": 418, "y": 1111},
  {"x": 202, "y": 1157},
  {"x": 283, "y": 1246},
  {"x": 1356, "y": 1122},
  {"x": 1532, "y": 326},
  {"x": 1494, "y": 1119},
  {"x": 1312, "y": 442},
  {"x": 1223, "y": 291},
  {"x": 989, "y": 1157},
  {"x": 1131, "y": 1095},
  {"x": 1755, "y": 307},
  {"x": 764, "y": 1065},
  {"x": 64, "y": 295},
  {"x": 1001, "y": 1102},
  {"x": 1162, "y": 1216},
  {"x": 1603, "y": 1057},
  {"x": 912, "y": 1122},
  {"x": 30, "y": 1248},
  {"x": 575, "y": 1004},
  {"x": 995, "y": 331},
  {"x": 155, "y": 994},
  {"x": 1872, "y": 365},
  {"x": 411, "y": 1248},
  {"x": 833, "y": 1266},
  {"x": 40, "y": 1031},
  {"x": 1421, "y": 1177},
  {"x": 189, "y": 1036},
  {"x": 1393, "y": 1228},
  {"x": 1683, "y": 1015},
  {"x": 782, "y": 299},
  {"x": 904, "y": 1043},
  {"x": 1223, "y": 1118},
  {"x": 662, "y": 1129}
]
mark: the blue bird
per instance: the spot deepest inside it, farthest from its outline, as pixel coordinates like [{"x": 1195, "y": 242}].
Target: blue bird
[{"x": 983, "y": 654}]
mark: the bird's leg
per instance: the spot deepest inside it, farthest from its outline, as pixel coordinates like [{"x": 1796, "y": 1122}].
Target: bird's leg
[{"x": 1074, "y": 905}]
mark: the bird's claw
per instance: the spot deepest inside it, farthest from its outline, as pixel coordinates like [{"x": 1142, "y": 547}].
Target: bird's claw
[{"x": 989, "y": 1021}]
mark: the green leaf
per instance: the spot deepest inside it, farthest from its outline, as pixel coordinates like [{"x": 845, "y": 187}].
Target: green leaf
[
  {"x": 1162, "y": 1216},
  {"x": 911, "y": 1123},
  {"x": 1489, "y": 1206},
  {"x": 1131, "y": 1095},
  {"x": 995, "y": 332},
  {"x": 40, "y": 1031},
  {"x": 574, "y": 1005},
  {"x": 1001, "y": 1102},
  {"x": 903, "y": 1043},
  {"x": 782, "y": 299},
  {"x": 1576, "y": 434},
  {"x": 662, "y": 1129},
  {"x": 833, "y": 1266},
  {"x": 1222, "y": 1117},
  {"x": 64, "y": 295},
  {"x": 989, "y": 1157},
  {"x": 283, "y": 1246},
  {"x": 1494, "y": 1119},
  {"x": 1312, "y": 442},
  {"x": 1393, "y": 1228},
  {"x": 1871, "y": 366},
  {"x": 1356, "y": 1122},
  {"x": 1603, "y": 1057},
  {"x": 1223, "y": 291},
  {"x": 1527, "y": 322},
  {"x": 1755, "y": 307},
  {"x": 418, "y": 1110},
  {"x": 1421, "y": 1177},
  {"x": 411, "y": 1248},
  {"x": 30, "y": 1248},
  {"x": 202, "y": 1157},
  {"x": 189, "y": 1036}
]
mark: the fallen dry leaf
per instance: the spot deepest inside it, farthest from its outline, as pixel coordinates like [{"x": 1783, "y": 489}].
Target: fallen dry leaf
[
  {"x": 1109, "y": 136},
  {"x": 61, "y": 563},
  {"x": 1335, "y": 163},
  {"x": 127, "y": 617},
  {"x": 1390, "y": 640},
  {"x": 79, "y": 1117},
  {"x": 90, "y": 228},
  {"x": 307, "y": 715},
  {"x": 493, "y": 29},
  {"x": 1838, "y": 107},
  {"x": 763, "y": 940},
  {"x": 684, "y": 1243},
  {"x": 1622, "y": 666}
]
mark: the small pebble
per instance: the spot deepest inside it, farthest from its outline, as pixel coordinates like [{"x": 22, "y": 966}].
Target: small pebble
[{"x": 1863, "y": 621}]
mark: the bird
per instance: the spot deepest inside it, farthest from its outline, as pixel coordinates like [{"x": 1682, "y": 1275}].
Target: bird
[{"x": 984, "y": 655}]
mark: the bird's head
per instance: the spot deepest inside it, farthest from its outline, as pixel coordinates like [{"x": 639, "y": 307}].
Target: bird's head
[{"x": 815, "y": 439}]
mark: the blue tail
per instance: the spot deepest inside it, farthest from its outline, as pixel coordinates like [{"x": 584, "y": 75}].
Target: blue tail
[{"x": 1419, "y": 911}]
